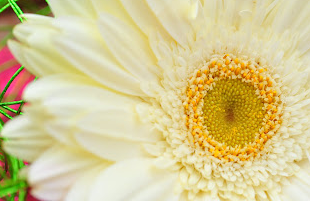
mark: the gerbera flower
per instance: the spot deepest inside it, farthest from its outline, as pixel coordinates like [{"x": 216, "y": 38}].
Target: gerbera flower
[{"x": 166, "y": 100}]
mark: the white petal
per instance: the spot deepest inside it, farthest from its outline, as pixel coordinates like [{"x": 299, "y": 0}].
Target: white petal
[
  {"x": 113, "y": 7},
  {"x": 25, "y": 140},
  {"x": 34, "y": 23},
  {"x": 80, "y": 99},
  {"x": 81, "y": 8},
  {"x": 88, "y": 49},
  {"x": 46, "y": 64},
  {"x": 296, "y": 190},
  {"x": 174, "y": 16},
  {"x": 129, "y": 47},
  {"x": 61, "y": 129},
  {"x": 110, "y": 148},
  {"x": 119, "y": 123},
  {"x": 290, "y": 14},
  {"x": 143, "y": 17},
  {"x": 57, "y": 169},
  {"x": 19, "y": 53},
  {"x": 49, "y": 85},
  {"x": 81, "y": 189},
  {"x": 133, "y": 180},
  {"x": 93, "y": 59},
  {"x": 39, "y": 53}
]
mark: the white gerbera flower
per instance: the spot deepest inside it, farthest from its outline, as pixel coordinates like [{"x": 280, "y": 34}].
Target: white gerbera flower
[{"x": 166, "y": 100}]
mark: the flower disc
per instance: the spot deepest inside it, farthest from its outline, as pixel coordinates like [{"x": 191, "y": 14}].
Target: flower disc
[{"x": 233, "y": 113}]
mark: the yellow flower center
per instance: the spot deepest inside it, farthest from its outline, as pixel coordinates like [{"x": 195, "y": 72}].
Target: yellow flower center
[
  {"x": 232, "y": 108},
  {"x": 233, "y": 113}
]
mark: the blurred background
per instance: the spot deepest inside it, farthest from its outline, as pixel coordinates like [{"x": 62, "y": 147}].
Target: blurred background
[{"x": 13, "y": 79}]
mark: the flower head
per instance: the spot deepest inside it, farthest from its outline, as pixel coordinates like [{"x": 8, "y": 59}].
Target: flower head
[{"x": 166, "y": 100}]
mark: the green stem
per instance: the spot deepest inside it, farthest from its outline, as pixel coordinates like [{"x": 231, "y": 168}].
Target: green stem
[
  {"x": 16, "y": 9},
  {"x": 5, "y": 6},
  {"x": 5, "y": 114},
  {"x": 10, "y": 82},
  {"x": 12, "y": 103},
  {"x": 12, "y": 110}
]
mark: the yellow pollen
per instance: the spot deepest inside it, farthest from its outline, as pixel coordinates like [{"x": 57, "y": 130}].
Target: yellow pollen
[
  {"x": 236, "y": 61},
  {"x": 237, "y": 71},
  {"x": 213, "y": 63},
  {"x": 242, "y": 65}
]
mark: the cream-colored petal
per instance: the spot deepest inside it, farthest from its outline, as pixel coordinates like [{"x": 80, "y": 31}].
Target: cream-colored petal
[
  {"x": 81, "y": 189},
  {"x": 130, "y": 47},
  {"x": 110, "y": 148},
  {"x": 57, "y": 169},
  {"x": 24, "y": 139},
  {"x": 40, "y": 89},
  {"x": 19, "y": 53},
  {"x": 94, "y": 60},
  {"x": 175, "y": 16},
  {"x": 81, "y": 8},
  {"x": 78, "y": 100},
  {"x": 133, "y": 180},
  {"x": 34, "y": 22},
  {"x": 119, "y": 123},
  {"x": 297, "y": 190},
  {"x": 36, "y": 51},
  {"x": 61, "y": 129},
  {"x": 304, "y": 173},
  {"x": 46, "y": 51},
  {"x": 115, "y": 8},
  {"x": 144, "y": 18},
  {"x": 289, "y": 15}
]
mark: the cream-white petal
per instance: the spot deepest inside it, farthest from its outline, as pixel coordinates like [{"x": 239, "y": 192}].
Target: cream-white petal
[
  {"x": 175, "y": 16},
  {"x": 47, "y": 51},
  {"x": 61, "y": 129},
  {"x": 81, "y": 8},
  {"x": 80, "y": 191},
  {"x": 113, "y": 7},
  {"x": 133, "y": 180},
  {"x": 88, "y": 49},
  {"x": 57, "y": 169},
  {"x": 36, "y": 36},
  {"x": 24, "y": 139},
  {"x": 72, "y": 104},
  {"x": 40, "y": 89},
  {"x": 289, "y": 15},
  {"x": 130, "y": 47},
  {"x": 94, "y": 60},
  {"x": 51, "y": 65},
  {"x": 148, "y": 23},
  {"x": 119, "y": 123},
  {"x": 19, "y": 53},
  {"x": 36, "y": 50},
  {"x": 33, "y": 24},
  {"x": 76, "y": 100},
  {"x": 296, "y": 190},
  {"x": 110, "y": 148}
]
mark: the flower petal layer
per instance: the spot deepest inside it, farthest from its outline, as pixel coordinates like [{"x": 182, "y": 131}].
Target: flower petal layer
[
  {"x": 81, "y": 8},
  {"x": 134, "y": 180},
  {"x": 131, "y": 49},
  {"x": 25, "y": 141},
  {"x": 57, "y": 169}
]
